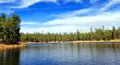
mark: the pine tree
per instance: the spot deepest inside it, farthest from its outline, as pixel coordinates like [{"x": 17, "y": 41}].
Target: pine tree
[
  {"x": 114, "y": 33},
  {"x": 10, "y": 28}
]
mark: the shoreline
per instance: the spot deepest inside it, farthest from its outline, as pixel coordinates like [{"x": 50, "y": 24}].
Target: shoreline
[
  {"x": 99, "y": 41},
  {"x": 23, "y": 43}
]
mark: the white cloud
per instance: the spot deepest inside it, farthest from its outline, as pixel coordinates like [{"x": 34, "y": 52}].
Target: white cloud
[
  {"x": 77, "y": 12},
  {"x": 102, "y": 17},
  {"x": 55, "y": 29},
  {"x": 7, "y": 1},
  {"x": 24, "y": 3},
  {"x": 27, "y": 3},
  {"x": 109, "y": 4},
  {"x": 83, "y": 23},
  {"x": 77, "y": 1},
  {"x": 28, "y": 23},
  {"x": 70, "y": 21},
  {"x": 18, "y": 4}
]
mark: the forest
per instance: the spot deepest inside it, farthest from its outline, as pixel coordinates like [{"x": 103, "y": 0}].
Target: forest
[
  {"x": 10, "y": 33},
  {"x": 9, "y": 29},
  {"x": 97, "y": 34}
]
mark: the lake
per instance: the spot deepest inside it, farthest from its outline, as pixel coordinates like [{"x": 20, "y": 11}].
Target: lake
[{"x": 63, "y": 54}]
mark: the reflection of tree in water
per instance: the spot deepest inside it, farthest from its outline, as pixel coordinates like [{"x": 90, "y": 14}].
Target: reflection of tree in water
[{"x": 9, "y": 57}]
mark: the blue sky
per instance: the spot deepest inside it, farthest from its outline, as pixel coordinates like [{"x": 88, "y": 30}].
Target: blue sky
[{"x": 63, "y": 15}]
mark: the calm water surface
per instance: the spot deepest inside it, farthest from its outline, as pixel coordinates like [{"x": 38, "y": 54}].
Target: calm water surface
[{"x": 63, "y": 54}]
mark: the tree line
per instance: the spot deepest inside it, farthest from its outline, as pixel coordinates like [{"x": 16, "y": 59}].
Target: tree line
[
  {"x": 97, "y": 34},
  {"x": 10, "y": 33},
  {"x": 9, "y": 29}
]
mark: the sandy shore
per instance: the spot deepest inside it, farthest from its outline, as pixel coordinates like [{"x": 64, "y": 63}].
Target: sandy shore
[
  {"x": 98, "y": 41},
  {"x": 4, "y": 46},
  {"x": 69, "y": 41}
]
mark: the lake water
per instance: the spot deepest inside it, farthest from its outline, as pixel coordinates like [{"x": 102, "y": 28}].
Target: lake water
[{"x": 63, "y": 54}]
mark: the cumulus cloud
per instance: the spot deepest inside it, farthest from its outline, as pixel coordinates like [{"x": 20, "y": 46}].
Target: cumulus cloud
[
  {"x": 82, "y": 23},
  {"x": 102, "y": 17}
]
